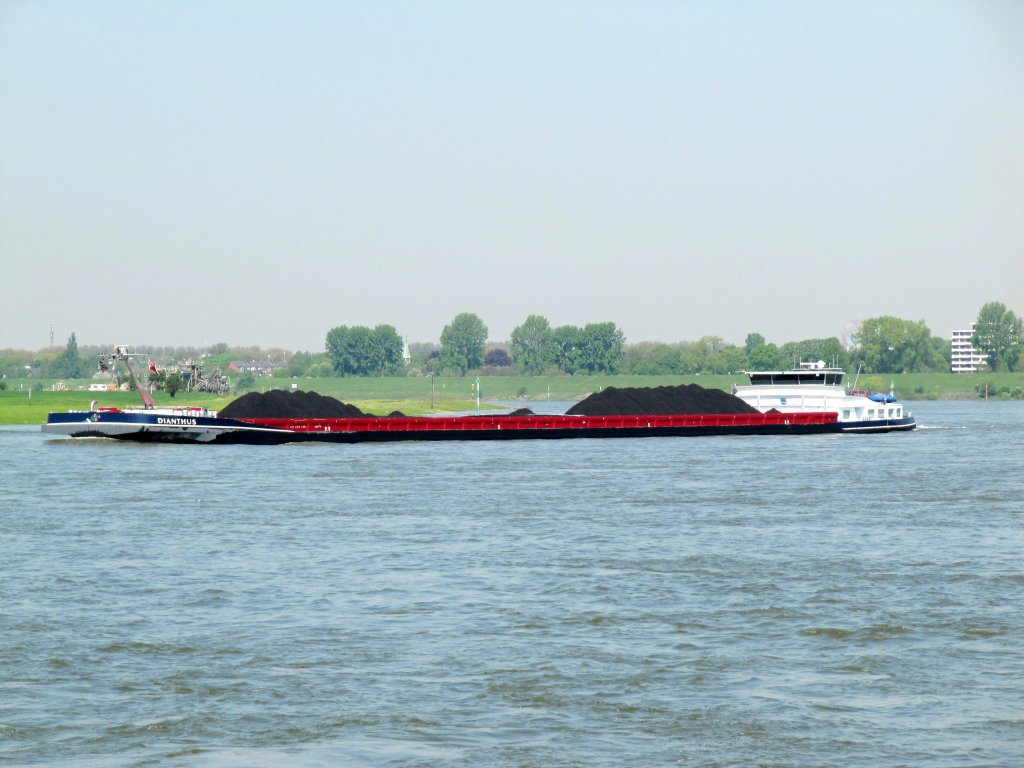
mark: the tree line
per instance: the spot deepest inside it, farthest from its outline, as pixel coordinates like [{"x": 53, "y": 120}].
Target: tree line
[
  {"x": 883, "y": 344},
  {"x": 535, "y": 348}
]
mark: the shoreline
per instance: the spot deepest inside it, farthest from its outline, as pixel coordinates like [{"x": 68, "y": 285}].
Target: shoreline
[{"x": 426, "y": 396}]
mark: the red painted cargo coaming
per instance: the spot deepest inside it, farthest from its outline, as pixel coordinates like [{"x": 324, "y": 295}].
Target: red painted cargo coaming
[{"x": 540, "y": 426}]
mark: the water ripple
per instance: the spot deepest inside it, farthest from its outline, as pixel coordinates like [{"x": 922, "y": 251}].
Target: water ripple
[{"x": 773, "y": 601}]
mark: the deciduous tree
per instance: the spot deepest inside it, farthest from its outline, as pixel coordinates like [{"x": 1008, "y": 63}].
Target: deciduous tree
[
  {"x": 497, "y": 358},
  {"x": 601, "y": 347},
  {"x": 300, "y": 362},
  {"x": 532, "y": 345},
  {"x": 360, "y": 351},
  {"x": 386, "y": 348},
  {"x": 69, "y": 365},
  {"x": 246, "y": 382},
  {"x": 810, "y": 350},
  {"x": 350, "y": 349},
  {"x": 891, "y": 345},
  {"x": 753, "y": 340},
  {"x": 462, "y": 343},
  {"x": 75, "y": 364},
  {"x": 998, "y": 333},
  {"x": 765, "y": 357},
  {"x": 566, "y": 340},
  {"x": 650, "y": 358},
  {"x": 173, "y": 384}
]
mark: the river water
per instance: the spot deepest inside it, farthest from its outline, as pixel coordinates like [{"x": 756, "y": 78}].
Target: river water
[{"x": 822, "y": 600}]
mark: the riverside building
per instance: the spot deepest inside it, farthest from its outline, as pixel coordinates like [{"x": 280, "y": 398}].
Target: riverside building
[{"x": 965, "y": 358}]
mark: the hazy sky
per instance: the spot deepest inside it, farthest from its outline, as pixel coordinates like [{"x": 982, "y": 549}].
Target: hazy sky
[{"x": 259, "y": 172}]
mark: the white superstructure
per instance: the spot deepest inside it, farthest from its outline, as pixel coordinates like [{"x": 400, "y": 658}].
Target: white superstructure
[{"x": 813, "y": 387}]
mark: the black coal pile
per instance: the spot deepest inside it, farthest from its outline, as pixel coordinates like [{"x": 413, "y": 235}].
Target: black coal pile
[
  {"x": 682, "y": 399},
  {"x": 521, "y": 412},
  {"x": 278, "y": 404}
]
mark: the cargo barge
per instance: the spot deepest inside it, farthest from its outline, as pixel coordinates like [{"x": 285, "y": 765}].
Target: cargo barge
[
  {"x": 188, "y": 425},
  {"x": 152, "y": 423}
]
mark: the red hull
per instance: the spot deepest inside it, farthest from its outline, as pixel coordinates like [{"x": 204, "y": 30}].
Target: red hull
[{"x": 511, "y": 427}]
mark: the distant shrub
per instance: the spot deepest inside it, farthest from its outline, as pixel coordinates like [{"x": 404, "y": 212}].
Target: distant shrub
[
  {"x": 497, "y": 358},
  {"x": 246, "y": 382},
  {"x": 322, "y": 370}
]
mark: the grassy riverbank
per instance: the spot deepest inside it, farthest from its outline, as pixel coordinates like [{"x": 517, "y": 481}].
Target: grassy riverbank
[
  {"x": 414, "y": 396},
  {"x": 411, "y": 396},
  {"x": 16, "y": 407}
]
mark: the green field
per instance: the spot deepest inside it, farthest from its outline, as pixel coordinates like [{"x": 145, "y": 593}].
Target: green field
[
  {"x": 16, "y": 407},
  {"x": 415, "y": 396}
]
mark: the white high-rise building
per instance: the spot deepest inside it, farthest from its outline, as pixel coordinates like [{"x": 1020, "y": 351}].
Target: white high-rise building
[{"x": 965, "y": 358}]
